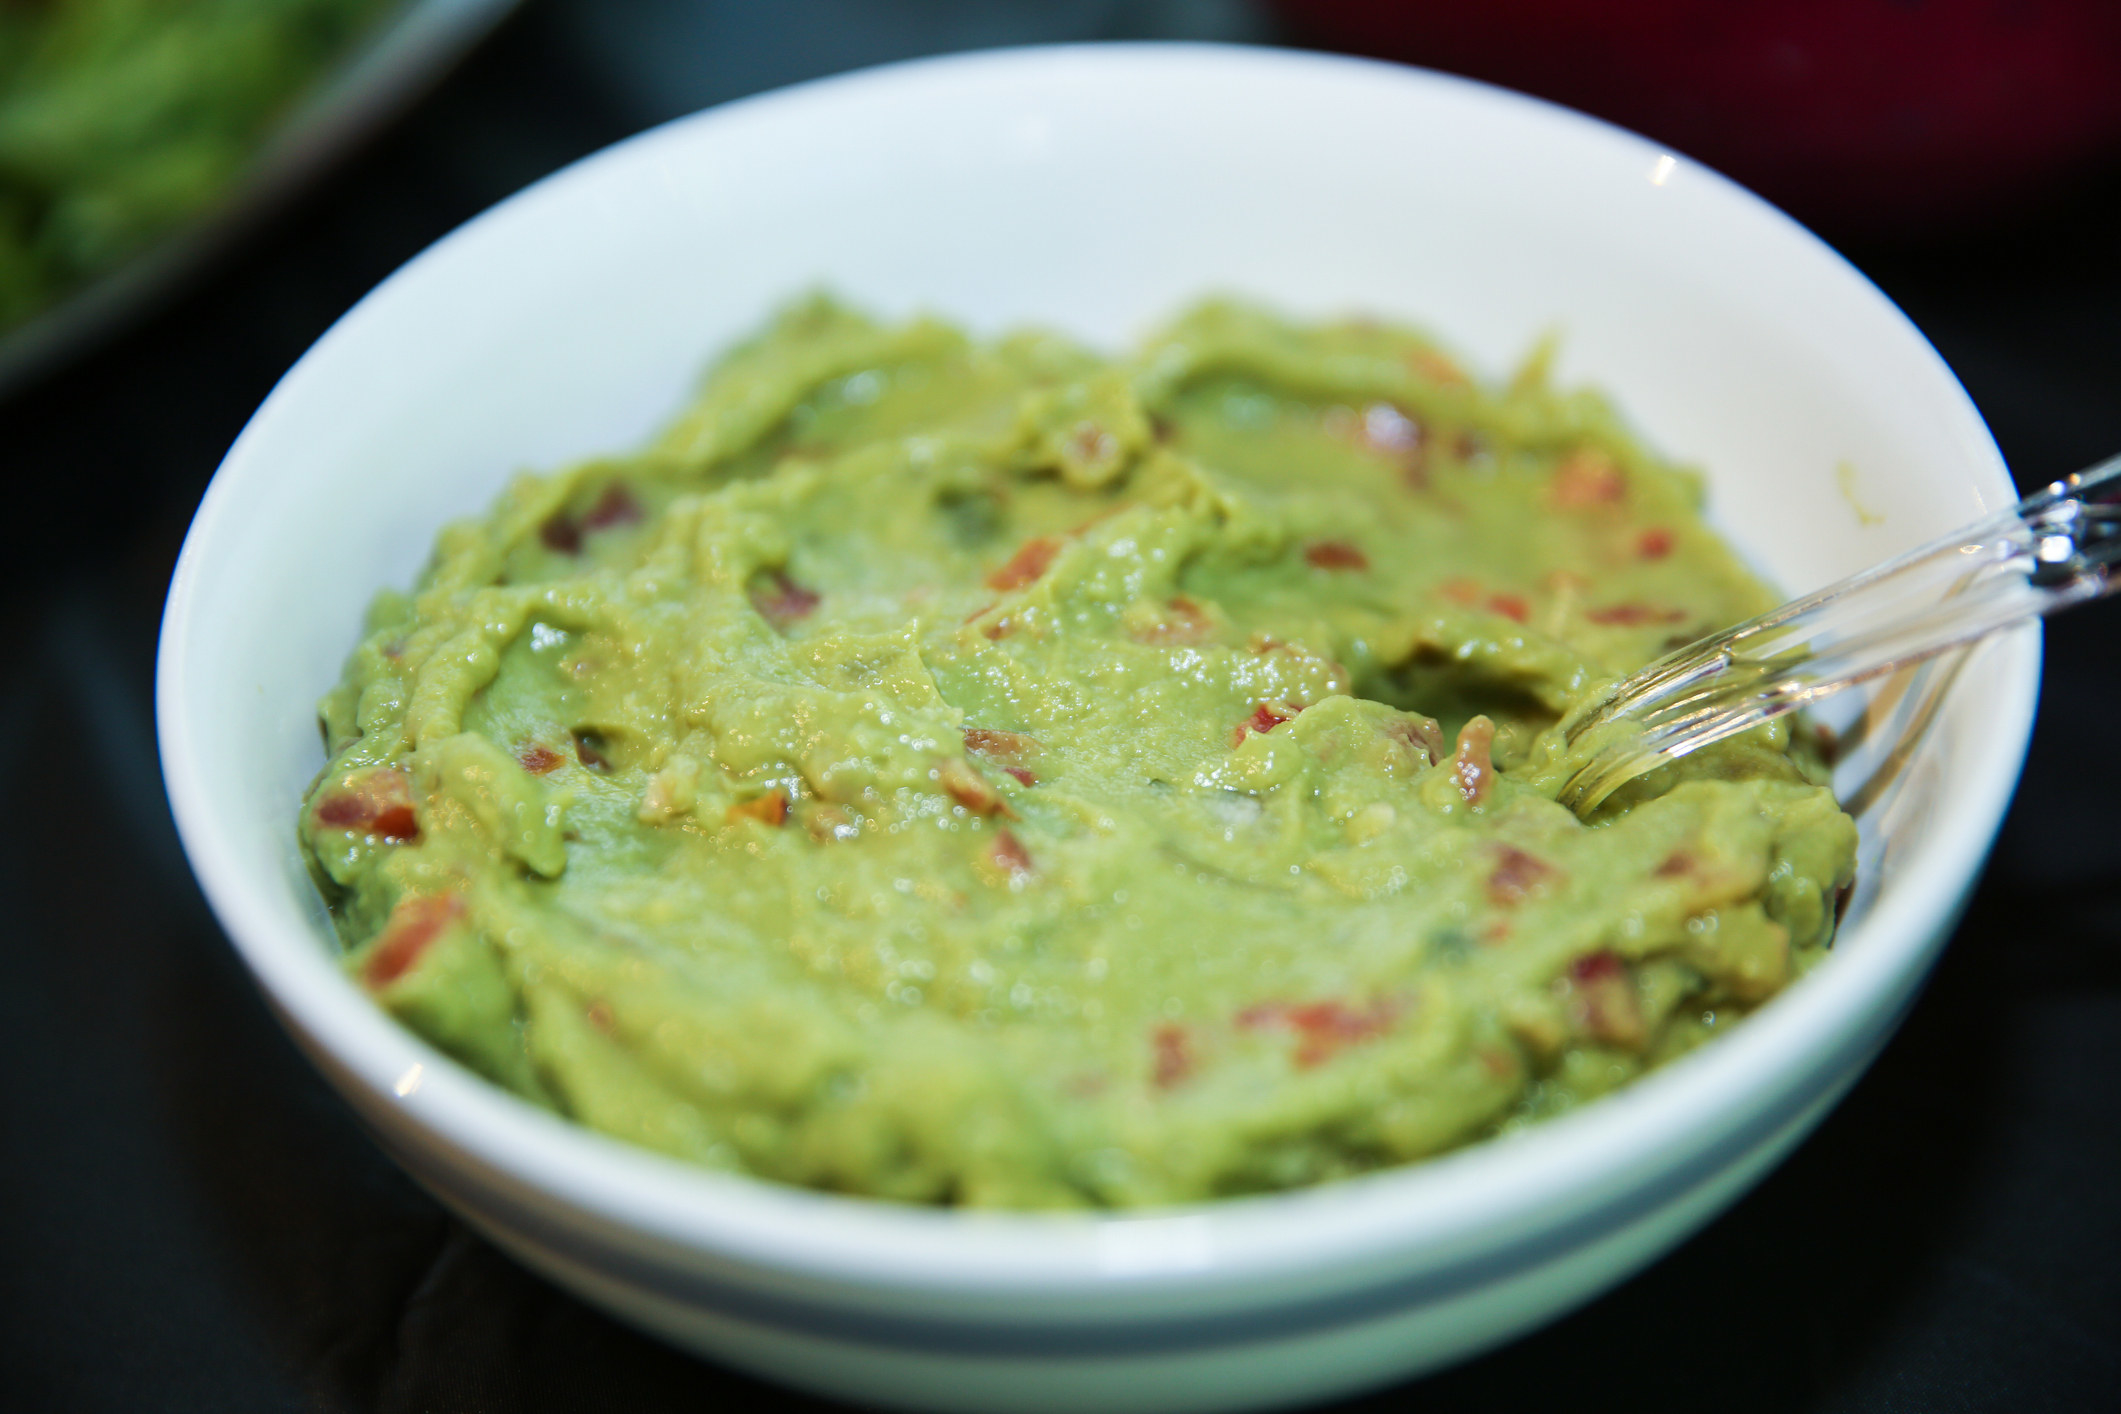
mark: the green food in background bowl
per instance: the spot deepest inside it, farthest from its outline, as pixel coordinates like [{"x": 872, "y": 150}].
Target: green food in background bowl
[
  {"x": 122, "y": 119},
  {"x": 138, "y": 137}
]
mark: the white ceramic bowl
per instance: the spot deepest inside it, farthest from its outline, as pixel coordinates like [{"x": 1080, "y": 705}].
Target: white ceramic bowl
[{"x": 1094, "y": 189}]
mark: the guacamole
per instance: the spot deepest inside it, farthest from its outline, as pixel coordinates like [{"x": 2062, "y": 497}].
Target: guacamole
[{"x": 995, "y": 774}]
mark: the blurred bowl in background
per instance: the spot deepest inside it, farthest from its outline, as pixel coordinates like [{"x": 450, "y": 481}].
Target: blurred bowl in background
[{"x": 405, "y": 50}]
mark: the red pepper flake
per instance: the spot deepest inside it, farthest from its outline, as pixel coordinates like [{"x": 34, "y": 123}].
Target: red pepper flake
[
  {"x": 1635, "y": 615},
  {"x": 768, "y": 809},
  {"x": 1518, "y": 876},
  {"x": 599, "y": 1015},
  {"x": 1026, "y": 565},
  {"x": 1323, "y": 1029},
  {"x": 616, "y": 506},
  {"x": 1173, "y": 1053},
  {"x": 1336, "y": 555},
  {"x": 1584, "y": 478},
  {"x": 416, "y": 921},
  {"x": 1184, "y": 622},
  {"x": 1265, "y": 718},
  {"x": 1510, "y": 606},
  {"x": 1472, "y": 763},
  {"x": 780, "y": 600},
  {"x": 1021, "y": 776},
  {"x": 1604, "y": 1000},
  {"x": 1009, "y": 854},
  {"x": 376, "y": 802},
  {"x": 969, "y": 788},
  {"x": 1655, "y": 543},
  {"x": 589, "y": 749},
  {"x": 1676, "y": 863},
  {"x": 538, "y": 758}
]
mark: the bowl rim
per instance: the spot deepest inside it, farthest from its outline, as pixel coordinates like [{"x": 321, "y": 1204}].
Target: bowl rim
[{"x": 1452, "y": 1209}]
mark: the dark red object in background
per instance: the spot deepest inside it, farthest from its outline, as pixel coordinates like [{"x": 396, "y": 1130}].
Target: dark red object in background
[{"x": 1864, "y": 117}]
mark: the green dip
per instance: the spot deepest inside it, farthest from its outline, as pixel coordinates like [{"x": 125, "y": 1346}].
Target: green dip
[{"x": 994, "y": 774}]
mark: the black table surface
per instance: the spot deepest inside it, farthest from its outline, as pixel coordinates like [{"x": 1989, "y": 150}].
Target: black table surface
[{"x": 190, "y": 1219}]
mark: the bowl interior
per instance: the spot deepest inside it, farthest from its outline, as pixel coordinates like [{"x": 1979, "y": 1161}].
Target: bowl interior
[{"x": 1095, "y": 190}]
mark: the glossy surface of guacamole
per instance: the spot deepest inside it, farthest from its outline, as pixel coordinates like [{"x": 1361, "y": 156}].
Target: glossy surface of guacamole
[{"x": 996, "y": 774}]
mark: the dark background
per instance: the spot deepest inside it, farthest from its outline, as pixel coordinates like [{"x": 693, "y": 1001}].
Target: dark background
[{"x": 189, "y": 1219}]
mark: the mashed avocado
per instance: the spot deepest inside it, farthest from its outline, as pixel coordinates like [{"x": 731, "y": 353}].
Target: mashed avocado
[{"x": 994, "y": 774}]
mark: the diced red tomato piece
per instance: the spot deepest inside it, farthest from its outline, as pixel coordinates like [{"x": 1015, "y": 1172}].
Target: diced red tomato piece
[
  {"x": 969, "y": 788},
  {"x": 1517, "y": 875},
  {"x": 538, "y": 758},
  {"x": 1584, "y": 478},
  {"x": 1173, "y": 1055},
  {"x": 564, "y": 532},
  {"x": 1184, "y": 622},
  {"x": 1008, "y": 853},
  {"x": 1605, "y": 1004},
  {"x": 1419, "y": 734},
  {"x": 1460, "y": 591},
  {"x": 1026, "y": 565},
  {"x": 414, "y": 924},
  {"x": 1634, "y": 615},
  {"x": 1004, "y": 746},
  {"x": 1336, "y": 555},
  {"x": 1265, "y": 718},
  {"x": 1322, "y": 1029},
  {"x": 377, "y": 801},
  {"x": 780, "y": 600},
  {"x": 615, "y": 507},
  {"x": 768, "y": 809}
]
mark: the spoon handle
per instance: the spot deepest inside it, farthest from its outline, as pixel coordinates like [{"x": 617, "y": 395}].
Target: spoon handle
[{"x": 2059, "y": 547}]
